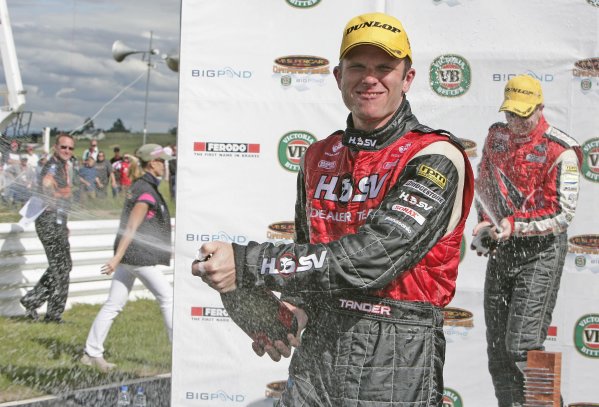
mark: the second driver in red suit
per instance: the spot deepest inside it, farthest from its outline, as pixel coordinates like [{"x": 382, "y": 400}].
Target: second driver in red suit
[{"x": 528, "y": 184}]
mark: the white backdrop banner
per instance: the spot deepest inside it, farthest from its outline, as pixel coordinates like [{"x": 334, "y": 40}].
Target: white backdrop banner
[{"x": 256, "y": 89}]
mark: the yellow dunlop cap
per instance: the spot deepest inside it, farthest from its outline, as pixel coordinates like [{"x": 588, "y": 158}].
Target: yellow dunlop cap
[
  {"x": 521, "y": 95},
  {"x": 376, "y": 29}
]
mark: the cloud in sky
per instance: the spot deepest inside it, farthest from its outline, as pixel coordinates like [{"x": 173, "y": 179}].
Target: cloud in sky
[{"x": 64, "y": 48}]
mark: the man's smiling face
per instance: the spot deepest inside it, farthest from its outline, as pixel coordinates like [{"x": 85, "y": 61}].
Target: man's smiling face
[{"x": 372, "y": 85}]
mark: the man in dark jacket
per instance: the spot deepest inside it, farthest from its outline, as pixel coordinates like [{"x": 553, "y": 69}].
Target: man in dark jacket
[{"x": 56, "y": 181}]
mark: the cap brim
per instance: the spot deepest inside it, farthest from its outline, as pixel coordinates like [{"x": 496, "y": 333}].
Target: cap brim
[
  {"x": 376, "y": 44},
  {"x": 165, "y": 156},
  {"x": 520, "y": 108}
]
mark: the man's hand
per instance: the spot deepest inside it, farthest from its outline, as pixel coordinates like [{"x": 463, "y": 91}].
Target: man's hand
[
  {"x": 504, "y": 232},
  {"x": 217, "y": 266},
  {"x": 479, "y": 226},
  {"x": 483, "y": 242},
  {"x": 279, "y": 348},
  {"x": 486, "y": 236}
]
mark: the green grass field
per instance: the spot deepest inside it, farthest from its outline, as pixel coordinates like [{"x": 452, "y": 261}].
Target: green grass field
[{"x": 40, "y": 359}]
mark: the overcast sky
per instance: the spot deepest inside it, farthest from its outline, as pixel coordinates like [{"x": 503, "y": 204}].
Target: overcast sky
[{"x": 64, "y": 51}]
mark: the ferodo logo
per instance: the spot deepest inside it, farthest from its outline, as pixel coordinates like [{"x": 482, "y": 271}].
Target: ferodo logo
[
  {"x": 586, "y": 335},
  {"x": 303, "y": 3},
  {"x": 225, "y": 149},
  {"x": 292, "y": 147},
  {"x": 590, "y": 162},
  {"x": 301, "y": 64},
  {"x": 450, "y": 75},
  {"x": 451, "y": 398},
  {"x": 433, "y": 175},
  {"x": 552, "y": 333},
  {"x": 209, "y": 313}
]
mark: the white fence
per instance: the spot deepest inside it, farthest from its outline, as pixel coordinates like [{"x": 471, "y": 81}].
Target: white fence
[{"x": 23, "y": 261}]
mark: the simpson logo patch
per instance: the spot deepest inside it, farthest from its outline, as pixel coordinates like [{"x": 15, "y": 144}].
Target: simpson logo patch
[{"x": 433, "y": 175}]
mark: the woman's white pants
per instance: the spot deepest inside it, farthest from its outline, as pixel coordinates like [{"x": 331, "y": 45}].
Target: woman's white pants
[{"x": 122, "y": 282}]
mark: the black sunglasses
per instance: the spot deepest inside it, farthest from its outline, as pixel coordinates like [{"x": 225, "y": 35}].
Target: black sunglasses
[{"x": 67, "y": 148}]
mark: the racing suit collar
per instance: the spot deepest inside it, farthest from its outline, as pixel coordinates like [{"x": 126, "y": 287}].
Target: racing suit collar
[{"x": 401, "y": 123}]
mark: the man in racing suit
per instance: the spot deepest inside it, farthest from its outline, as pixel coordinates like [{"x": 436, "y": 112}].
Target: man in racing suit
[
  {"x": 527, "y": 190},
  {"x": 380, "y": 215},
  {"x": 56, "y": 181}
]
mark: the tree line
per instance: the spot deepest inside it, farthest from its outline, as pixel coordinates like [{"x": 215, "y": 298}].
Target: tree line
[{"x": 117, "y": 127}]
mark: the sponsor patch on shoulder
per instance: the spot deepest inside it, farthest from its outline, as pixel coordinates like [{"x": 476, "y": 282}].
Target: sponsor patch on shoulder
[
  {"x": 426, "y": 191},
  {"x": 432, "y": 174},
  {"x": 327, "y": 165},
  {"x": 571, "y": 167}
]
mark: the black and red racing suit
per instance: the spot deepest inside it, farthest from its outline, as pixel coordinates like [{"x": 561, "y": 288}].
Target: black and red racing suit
[
  {"x": 533, "y": 181},
  {"x": 379, "y": 222}
]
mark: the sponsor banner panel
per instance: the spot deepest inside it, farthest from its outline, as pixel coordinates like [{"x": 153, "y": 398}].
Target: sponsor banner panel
[
  {"x": 464, "y": 331},
  {"x": 255, "y": 95},
  {"x": 582, "y": 351},
  {"x": 215, "y": 375}
]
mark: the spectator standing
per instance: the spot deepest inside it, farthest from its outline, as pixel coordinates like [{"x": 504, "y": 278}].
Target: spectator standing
[
  {"x": 13, "y": 156},
  {"x": 23, "y": 181},
  {"x": 38, "y": 169},
  {"x": 88, "y": 179},
  {"x": 122, "y": 168},
  {"x": 116, "y": 158},
  {"x": 105, "y": 175},
  {"x": 91, "y": 151},
  {"x": 142, "y": 244},
  {"x": 116, "y": 155},
  {"x": 528, "y": 179},
  {"x": 51, "y": 226},
  {"x": 32, "y": 158}
]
